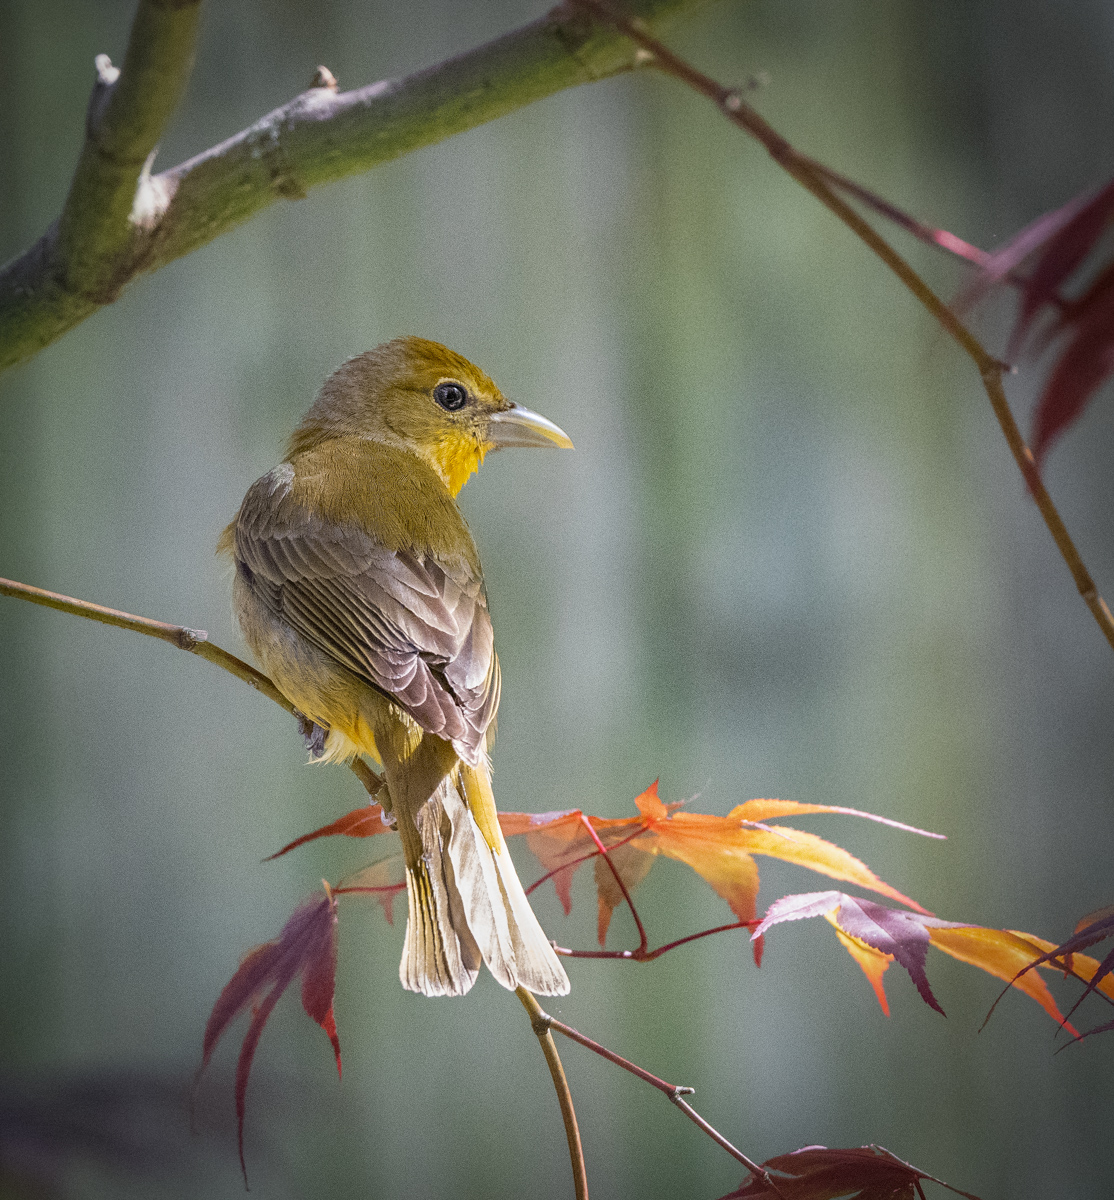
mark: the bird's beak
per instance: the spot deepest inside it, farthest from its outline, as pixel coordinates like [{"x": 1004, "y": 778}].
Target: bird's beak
[{"x": 518, "y": 426}]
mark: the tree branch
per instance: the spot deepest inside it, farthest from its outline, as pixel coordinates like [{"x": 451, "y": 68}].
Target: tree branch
[
  {"x": 128, "y": 110},
  {"x": 815, "y": 179},
  {"x": 112, "y": 230},
  {"x": 90, "y": 252},
  {"x": 196, "y": 641},
  {"x": 540, "y": 1023}
]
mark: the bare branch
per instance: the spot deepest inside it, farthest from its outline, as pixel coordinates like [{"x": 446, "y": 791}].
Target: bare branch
[
  {"x": 111, "y": 231},
  {"x": 196, "y": 641}
]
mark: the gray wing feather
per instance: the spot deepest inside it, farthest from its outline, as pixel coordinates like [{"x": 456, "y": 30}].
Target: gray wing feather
[{"x": 415, "y": 629}]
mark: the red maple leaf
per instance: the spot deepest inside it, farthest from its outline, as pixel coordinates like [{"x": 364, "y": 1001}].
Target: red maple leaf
[
  {"x": 877, "y": 936},
  {"x": 363, "y": 822},
  {"x": 817, "y": 1173},
  {"x": 1061, "y": 240},
  {"x": 307, "y": 947},
  {"x": 720, "y": 850}
]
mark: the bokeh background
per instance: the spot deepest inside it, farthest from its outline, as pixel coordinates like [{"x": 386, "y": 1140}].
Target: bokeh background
[{"x": 789, "y": 557}]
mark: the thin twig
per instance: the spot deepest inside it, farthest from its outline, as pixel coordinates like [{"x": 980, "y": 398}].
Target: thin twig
[
  {"x": 940, "y": 239},
  {"x": 804, "y": 170},
  {"x": 196, "y": 641},
  {"x": 322, "y": 135},
  {"x": 539, "y": 1021},
  {"x": 674, "y": 1092},
  {"x": 645, "y": 956},
  {"x": 642, "y": 943},
  {"x": 583, "y": 858}
]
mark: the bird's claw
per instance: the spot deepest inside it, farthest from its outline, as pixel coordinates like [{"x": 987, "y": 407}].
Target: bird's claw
[{"x": 313, "y": 735}]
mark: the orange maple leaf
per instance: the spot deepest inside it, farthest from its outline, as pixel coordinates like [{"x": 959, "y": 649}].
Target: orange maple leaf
[{"x": 720, "y": 850}]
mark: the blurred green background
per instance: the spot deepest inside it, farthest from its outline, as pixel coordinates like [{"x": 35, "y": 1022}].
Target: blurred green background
[{"x": 790, "y": 557}]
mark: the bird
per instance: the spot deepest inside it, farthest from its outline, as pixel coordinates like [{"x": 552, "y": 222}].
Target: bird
[{"x": 358, "y": 587}]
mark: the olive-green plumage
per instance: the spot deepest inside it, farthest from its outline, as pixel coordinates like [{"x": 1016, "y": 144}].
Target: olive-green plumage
[{"x": 359, "y": 588}]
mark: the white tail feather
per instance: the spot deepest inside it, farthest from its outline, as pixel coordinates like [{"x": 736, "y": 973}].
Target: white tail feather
[
  {"x": 466, "y": 901},
  {"x": 511, "y": 941},
  {"x": 439, "y": 957},
  {"x": 477, "y": 883},
  {"x": 537, "y": 966}
]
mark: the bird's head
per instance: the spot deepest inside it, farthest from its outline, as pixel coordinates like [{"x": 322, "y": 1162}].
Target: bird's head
[{"x": 423, "y": 397}]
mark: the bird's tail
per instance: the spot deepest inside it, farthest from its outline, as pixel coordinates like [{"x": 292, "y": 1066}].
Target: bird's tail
[{"x": 466, "y": 902}]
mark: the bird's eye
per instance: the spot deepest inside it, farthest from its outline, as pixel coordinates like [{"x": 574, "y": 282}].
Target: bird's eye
[{"x": 451, "y": 396}]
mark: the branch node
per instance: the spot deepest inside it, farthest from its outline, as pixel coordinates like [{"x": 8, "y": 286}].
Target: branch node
[
  {"x": 107, "y": 74},
  {"x": 324, "y": 78},
  {"x": 643, "y": 57},
  {"x": 733, "y": 101},
  {"x": 678, "y": 1092},
  {"x": 189, "y": 638}
]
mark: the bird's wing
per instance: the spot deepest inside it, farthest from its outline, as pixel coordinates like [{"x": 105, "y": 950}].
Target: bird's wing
[{"x": 413, "y": 627}]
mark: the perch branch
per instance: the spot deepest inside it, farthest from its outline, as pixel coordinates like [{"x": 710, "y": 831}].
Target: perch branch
[
  {"x": 112, "y": 230},
  {"x": 817, "y": 181},
  {"x": 196, "y": 641}
]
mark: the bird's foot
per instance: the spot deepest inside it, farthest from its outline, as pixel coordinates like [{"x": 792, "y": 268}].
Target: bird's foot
[{"x": 313, "y": 735}]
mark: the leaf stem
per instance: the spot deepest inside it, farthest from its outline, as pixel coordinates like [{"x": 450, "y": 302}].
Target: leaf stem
[
  {"x": 583, "y": 858},
  {"x": 642, "y": 943},
  {"x": 640, "y": 955},
  {"x": 540, "y": 1022}
]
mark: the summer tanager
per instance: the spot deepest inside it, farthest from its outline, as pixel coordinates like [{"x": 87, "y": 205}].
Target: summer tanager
[{"x": 359, "y": 588}]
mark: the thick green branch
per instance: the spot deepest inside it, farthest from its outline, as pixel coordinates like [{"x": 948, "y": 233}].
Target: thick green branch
[
  {"x": 119, "y": 222},
  {"x": 128, "y": 111},
  {"x": 95, "y": 246}
]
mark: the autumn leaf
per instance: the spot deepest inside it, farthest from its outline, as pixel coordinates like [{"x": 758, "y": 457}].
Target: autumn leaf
[
  {"x": 363, "y": 822},
  {"x": 875, "y": 936},
  {"x": 1095, "y": 927},
  {"x": 1061, "y": 240},
  {"x": 873, "y": 963},
  {"x": 384, "y": 880},
  {"x": 901, "y": 936},
  {"x": 307, "y": 947},
  {"x": 817, "y": 1173},
  {"x": 720, "y": 850}
]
